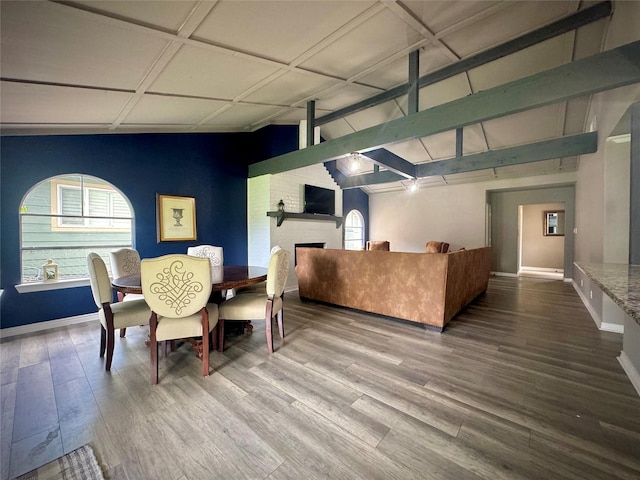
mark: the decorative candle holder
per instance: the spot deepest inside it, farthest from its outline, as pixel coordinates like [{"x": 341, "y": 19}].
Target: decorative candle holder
[{"x": 50, "y": 271}]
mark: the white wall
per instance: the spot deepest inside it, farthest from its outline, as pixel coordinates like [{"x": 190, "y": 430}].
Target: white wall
[
  {"x": 605, "y": 111},
  {"x": 617, "y": 169},
  {"x": 454, "y": 213},
  {"x": 265, "y": 192}
]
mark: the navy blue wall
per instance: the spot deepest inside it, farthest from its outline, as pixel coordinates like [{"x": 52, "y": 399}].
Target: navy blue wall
[
  {"x": 210, "y": 167},
  {"x": 273, "y": 140},
  {"x": 356, "y": 199}
]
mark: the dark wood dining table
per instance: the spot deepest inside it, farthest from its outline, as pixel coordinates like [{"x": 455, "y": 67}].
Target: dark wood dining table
[{"x": 223, "y": 278}]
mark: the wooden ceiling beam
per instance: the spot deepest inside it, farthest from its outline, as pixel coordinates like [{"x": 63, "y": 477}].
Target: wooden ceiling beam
[
  {"x": 567, "y": 146},
  {"x": 605, "y": 71}
]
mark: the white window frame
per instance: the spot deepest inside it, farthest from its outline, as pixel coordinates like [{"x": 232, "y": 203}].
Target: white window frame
[
  {"x": 106, "y": 223},
  {"x": 354, "y": 214}
]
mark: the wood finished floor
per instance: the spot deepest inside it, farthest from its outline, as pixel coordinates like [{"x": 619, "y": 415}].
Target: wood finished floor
[{"x": 521, "y": 385}]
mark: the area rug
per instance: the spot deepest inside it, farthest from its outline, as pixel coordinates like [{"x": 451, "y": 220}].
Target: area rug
[{"x": 81, "y": 464}]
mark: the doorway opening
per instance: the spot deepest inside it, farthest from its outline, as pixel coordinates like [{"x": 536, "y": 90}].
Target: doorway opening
[{"x": 541, "y": 231}]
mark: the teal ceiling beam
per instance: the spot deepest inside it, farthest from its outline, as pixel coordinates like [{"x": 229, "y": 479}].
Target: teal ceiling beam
[
  {"x": 568, "y": 146},
  {"x": 604, "y": 71},
  {"x": 392, "y": 162},
  {"x": 365, "y": 179},
  {"x": 564, "y": 25}
]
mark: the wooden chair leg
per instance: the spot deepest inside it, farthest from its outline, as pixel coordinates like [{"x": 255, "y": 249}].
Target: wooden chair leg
[
  {"x": 110, "y": 342},
  {"x": 268, "y": 319},
  {"x": 103, "y": 341},
  {"x": 205, "y": 353},
  {"x": 220, "y": 328},
  {"x": 280, "y": 324},
  {"x": 153, "y": 348},
  {"x": 123, "y": 332}
]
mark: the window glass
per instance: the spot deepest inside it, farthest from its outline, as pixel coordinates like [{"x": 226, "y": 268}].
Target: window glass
[
  {"x": 354, "y": 231},
  {"x": 64, "y": 218}
]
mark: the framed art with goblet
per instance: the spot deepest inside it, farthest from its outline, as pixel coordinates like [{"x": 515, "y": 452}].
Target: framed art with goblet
[{"x": 176, "y": 218}]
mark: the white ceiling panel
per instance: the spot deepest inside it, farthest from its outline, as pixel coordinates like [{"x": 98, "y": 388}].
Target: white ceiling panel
[
  {"x": 344, "y": 96},
  {"x": 160, "y": 109},
  {"x": 244, "y": 114},
  {"x": 439, "y": 16},
  {"x": 51, "y": 43},
  {"x": 495, "y": 29},
  {"x": 382, "y": 113},
  {"x": 291, "y": 87},
  {"x": 373, "y": 41},
  {"x": 526, "y": 127},
  {"x": 336, "y": 129},
  {"x": 411, "y": 150},
  {"x": 201, "y": 72},
  {"x": 161, "y": 14},
  {"x": 44, "y": 104},
  {"x": 543, "y": 56},
  {"x": 280, "y": 30},
  {"x": 442, "y": 145}
]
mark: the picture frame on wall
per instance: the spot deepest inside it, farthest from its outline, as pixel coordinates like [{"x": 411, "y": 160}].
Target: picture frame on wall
[{"x": 176, "y": 218}]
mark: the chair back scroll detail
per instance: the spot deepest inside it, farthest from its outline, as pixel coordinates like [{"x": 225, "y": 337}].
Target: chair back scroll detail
[
  {"x": 176, "y": 285},
  {"x": 125, "y": 261},
  {"x": 213, "y": 253}
]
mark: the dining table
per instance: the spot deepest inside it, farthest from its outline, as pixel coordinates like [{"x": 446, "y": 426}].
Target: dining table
[{"x": 226, "y": 277}]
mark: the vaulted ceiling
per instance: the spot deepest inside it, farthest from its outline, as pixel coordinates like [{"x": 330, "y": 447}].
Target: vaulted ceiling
[{"x": 228, "y": 66}]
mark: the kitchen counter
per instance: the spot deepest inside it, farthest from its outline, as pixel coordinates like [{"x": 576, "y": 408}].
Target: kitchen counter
[{"x": 620, "y": 282}]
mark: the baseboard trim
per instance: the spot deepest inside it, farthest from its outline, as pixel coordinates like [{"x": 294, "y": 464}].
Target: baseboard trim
[
  {"x": 48, "y": 325},
  {"x": 611, "y": 327},
  {"x": 585, "y": 301},
  {"x": 630, "y": 370},
  {"x": 504, "y": 274}
]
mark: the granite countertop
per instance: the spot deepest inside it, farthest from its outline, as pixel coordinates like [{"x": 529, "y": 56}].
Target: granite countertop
[{"x": 619, "y": 281}]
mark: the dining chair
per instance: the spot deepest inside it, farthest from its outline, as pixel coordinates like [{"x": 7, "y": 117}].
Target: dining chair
[
  {"x": 213, "y": 253},
  {"x": 112, "y": 316},
  {"x": 177, "y": 287},
  {"x": 124, "y": 262},
  {"x": 267, "y": 305},
  {"x": 216, "y": 257},
  {"x": 257, "y": 287}
]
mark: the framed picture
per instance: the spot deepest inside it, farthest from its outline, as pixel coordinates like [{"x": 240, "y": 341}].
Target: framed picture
[{"x": 176, "y": 218}]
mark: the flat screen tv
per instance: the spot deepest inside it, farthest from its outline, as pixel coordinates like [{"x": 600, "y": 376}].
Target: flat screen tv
[{"x": 319, "y": 200}]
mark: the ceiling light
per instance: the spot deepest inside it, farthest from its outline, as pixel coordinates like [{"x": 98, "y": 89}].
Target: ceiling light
[
  {"x": 413, "y": 186},
  {"x": 354, "y": 161}
]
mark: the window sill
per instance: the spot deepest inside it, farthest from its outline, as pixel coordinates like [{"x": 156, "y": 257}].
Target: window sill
[{"x": 59, "y": 285}]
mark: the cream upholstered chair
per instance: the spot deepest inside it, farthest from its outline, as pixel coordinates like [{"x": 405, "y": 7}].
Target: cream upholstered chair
[
  {"x": 112, "y": 315},
  {"x": 124, "y": 262},
  {"x": 257, "y": 287},
  {"x": 177, "y": 289},
  {"x": 214, "y": 254},
  {"x": 266, "y": 305}
]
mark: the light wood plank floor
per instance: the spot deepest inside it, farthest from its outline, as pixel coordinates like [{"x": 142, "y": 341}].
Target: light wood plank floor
[{"x": 521, "y": 385}]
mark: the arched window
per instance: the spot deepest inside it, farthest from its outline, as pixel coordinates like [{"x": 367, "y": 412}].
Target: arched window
[
  {"x": 354, "y": 231},
  {"x": 66, "y": 217}
]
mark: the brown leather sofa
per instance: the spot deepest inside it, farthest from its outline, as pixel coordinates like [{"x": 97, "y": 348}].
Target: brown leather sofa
[{"x": 425, "y": 288}]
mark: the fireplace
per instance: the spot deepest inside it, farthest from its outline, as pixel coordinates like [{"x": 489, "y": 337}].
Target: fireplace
[{"x": 307, "y": 245}]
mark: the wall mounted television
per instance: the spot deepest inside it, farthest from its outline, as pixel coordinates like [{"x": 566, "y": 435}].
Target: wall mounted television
[{"x": 319, "y": 200}]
